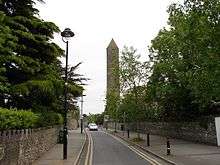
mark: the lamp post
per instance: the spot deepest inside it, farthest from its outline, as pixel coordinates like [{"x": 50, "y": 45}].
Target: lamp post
[
  {"x": 81, "y": 114},
  {"x": 66, "y": 34}
]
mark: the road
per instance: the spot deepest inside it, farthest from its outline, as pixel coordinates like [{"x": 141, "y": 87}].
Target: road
[{"x": 109, "y": 151}]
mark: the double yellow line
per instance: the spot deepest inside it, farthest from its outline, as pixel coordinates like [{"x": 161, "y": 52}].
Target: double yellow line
[{"x": 89, "y": 154}]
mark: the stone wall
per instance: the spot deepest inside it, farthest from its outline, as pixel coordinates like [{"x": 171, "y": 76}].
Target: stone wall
[
  {"x": 72, "y": 124},
  {"x": 22, "y": 147},
  {"x": 72, "y": 120},
  {"x": 191, "y": 131}
]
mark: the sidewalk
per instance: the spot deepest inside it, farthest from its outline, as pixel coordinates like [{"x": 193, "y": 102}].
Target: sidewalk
[
  {"x": 182, "y": 152},
  {"x": 55, "y": 155}
]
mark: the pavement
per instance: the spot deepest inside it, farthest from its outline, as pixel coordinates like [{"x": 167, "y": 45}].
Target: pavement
[
  {"x": 182, "y": 152},
  {"x": 55, "y": 155}
]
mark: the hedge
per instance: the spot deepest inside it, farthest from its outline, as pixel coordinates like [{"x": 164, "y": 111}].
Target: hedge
[{"x": 21, "y": 119}]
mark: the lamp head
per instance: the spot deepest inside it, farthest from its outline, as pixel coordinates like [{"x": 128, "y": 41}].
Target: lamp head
[{"x": 67, "y": 33}]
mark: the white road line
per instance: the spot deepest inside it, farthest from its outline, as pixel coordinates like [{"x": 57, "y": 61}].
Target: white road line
[
  {"x": 143, "y": 155},
  {"x": 154, "y": 162}
]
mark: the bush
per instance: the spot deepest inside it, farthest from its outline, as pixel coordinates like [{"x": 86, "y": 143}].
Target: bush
[
  {"x": 20, "y": 119},
  {"x": 49, "y": 118}
]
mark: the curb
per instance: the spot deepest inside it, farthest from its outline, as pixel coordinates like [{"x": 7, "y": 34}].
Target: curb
[
  {"x": 82, "y": 148},
  {"x": 146, "y": 150}
]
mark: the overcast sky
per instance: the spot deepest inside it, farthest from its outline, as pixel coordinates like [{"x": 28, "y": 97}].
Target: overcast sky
[{"x": 95, "y": 23}]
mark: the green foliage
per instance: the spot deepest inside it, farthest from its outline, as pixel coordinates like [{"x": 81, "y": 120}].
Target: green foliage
[
  {"x": 181, "y": 82},
  {"x": 31, "y": 74},
  {"x": 49, "y": 118},
  {"x": 137, "y": 140},
  {"x": 112, "y": 104},
  {"x": 186, "y": 77},
  {"x": 133, "y": 77},
  {"x": 132, "y": 71},
  {"x": 13, "y": 119},
  {"x": 20, "y": 119},
  {"x": 96, "y": 118},
  {"x": 134, "y": 109}
]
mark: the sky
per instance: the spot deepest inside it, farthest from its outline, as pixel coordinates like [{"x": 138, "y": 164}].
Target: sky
[{"x": 95, "y": 22}]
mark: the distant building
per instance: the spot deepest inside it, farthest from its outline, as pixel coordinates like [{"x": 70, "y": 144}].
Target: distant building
[{"x": 112, "y": 68}]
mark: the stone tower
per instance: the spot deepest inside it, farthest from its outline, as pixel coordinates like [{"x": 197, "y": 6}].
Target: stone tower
[{"x": 112, "y": 68}]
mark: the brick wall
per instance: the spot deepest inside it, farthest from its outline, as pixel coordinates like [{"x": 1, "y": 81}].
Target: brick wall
[
  {"x": 191, "y": 131},
  {"x": 22, "y": 147}
]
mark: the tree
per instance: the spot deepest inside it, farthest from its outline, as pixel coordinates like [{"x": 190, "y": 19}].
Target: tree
[
  {"x": 185, "y": 77},
  {"x": 132, "y": 71},
  {"x": 96, "y": 118},
  {"x": 31, "y": 72},
  {"x": 134, "y": 110},
  {"x": 112, "y": 106},
  {"x": 6, "y": 45},
  {"x": 133, "y": 78}
]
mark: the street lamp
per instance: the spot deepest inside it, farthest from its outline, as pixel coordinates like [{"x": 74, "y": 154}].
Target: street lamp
[
  {"x": 66, "y": 35},
  {"x": 81, "y": 114}
]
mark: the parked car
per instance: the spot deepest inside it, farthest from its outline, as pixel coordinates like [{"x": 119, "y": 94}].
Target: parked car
[{"x": 93, "y": 127}]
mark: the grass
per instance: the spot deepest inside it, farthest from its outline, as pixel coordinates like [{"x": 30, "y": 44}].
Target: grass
[{"x": 136, "y": 140}]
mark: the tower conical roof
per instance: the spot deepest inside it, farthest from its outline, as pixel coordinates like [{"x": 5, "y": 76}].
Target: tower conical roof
[{"x": 112, "y": 44}]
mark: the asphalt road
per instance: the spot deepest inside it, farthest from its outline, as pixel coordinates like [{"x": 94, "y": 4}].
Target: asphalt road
[{"x": 109, "y": 151}]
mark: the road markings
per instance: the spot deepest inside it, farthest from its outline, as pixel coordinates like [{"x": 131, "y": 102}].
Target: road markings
[
  {"x": 81, "y": 150},
  {"x": 89, "y": 154},
  {"x": 91, "y": 151},
  {"x": 138, "y": 152},
  {"x": 88, "y": 149},
  {"x": 149, "y": 159}
]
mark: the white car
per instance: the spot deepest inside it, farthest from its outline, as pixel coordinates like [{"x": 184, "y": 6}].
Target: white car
[{"x": 93, "y": 127}]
